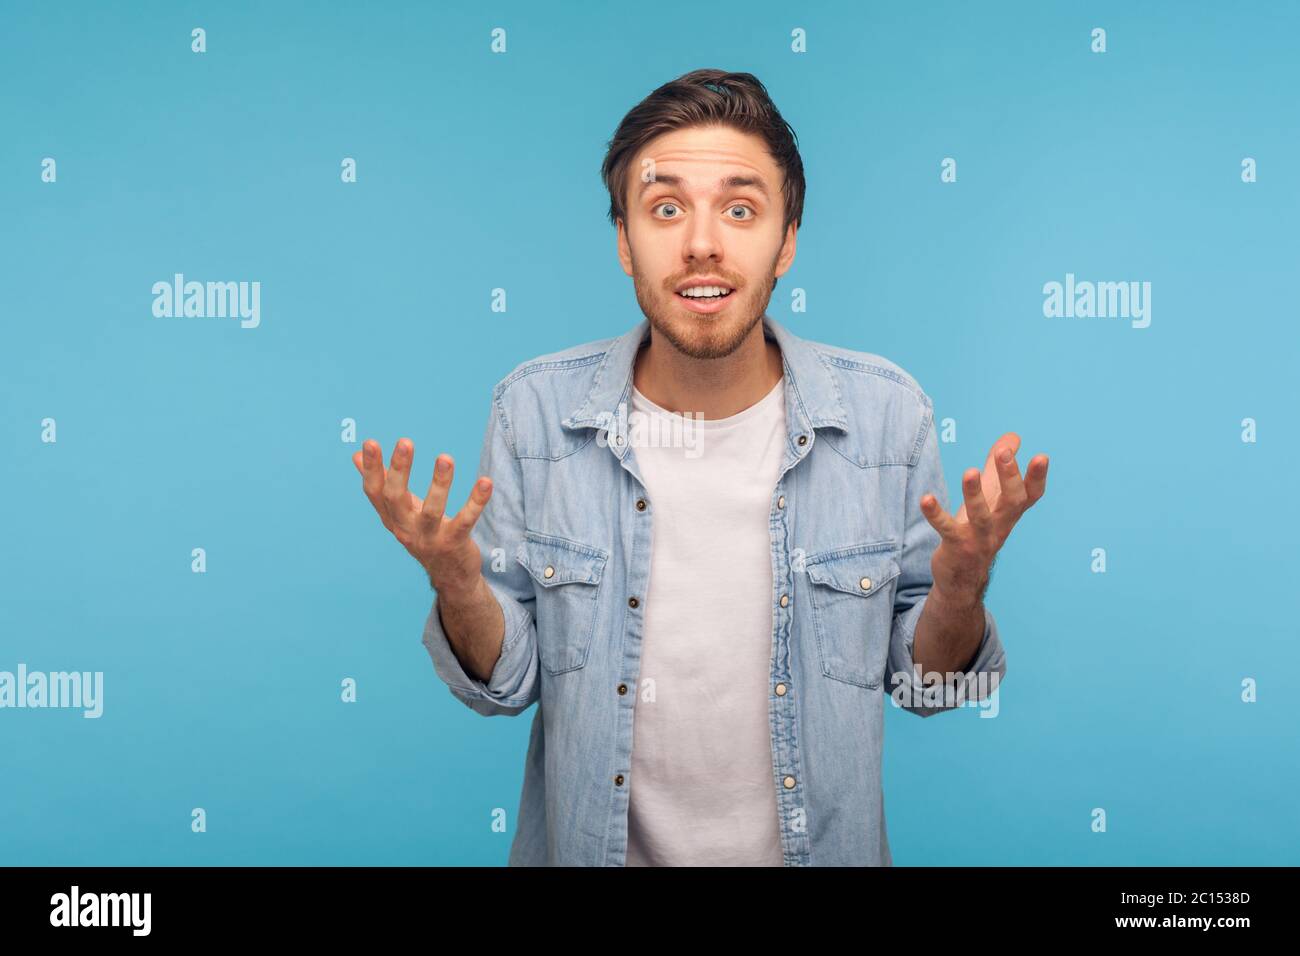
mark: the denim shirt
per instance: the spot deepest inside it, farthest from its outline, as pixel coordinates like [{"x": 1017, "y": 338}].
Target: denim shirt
[{"x": 566, "y": 541}]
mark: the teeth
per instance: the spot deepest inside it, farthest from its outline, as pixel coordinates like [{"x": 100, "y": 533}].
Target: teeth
[{"x": 704, "y": 291}]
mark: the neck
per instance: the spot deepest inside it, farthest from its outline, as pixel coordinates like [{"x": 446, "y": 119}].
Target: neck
[{"x": 715, "y": 388}]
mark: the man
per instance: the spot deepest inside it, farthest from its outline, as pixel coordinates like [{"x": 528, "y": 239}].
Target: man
[{"x": 709, "y": 625}]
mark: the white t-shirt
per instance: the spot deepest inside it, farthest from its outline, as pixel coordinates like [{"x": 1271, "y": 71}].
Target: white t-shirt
[{"x": 702, "y": 786}]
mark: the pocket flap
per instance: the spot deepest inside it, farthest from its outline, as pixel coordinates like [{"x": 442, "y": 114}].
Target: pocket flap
[
  {"x": 552, "y": 560},
  {"x": 864, "y": 570}
]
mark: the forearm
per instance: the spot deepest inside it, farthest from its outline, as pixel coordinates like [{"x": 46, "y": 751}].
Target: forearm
[
  {"x": 475, "y": 626},
  {"x": 948, "y": 633}
]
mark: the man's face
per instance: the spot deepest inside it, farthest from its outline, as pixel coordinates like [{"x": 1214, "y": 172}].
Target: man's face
[{"x": 712, "y": 208}]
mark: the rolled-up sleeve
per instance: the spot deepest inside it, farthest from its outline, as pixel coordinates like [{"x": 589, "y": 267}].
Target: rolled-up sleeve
[
  {"x": 514, "y": 683},
  {"x": 989, "y": 665}
]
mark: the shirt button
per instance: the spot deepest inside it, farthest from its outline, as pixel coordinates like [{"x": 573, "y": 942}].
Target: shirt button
[
  {"x": 803, "y": 439},
  {"x": 633, "y": 602},
  {"x": 780, "y": 502},
  {"x": 549, "y": 572},
  {"x": 866, "y": 584},
  {"x": 785, "y": 600},
  {"x": 622, "y": 689},
  {"x": 780, "y": 690},
  {"x": 640, "y": 504},
  {"x": 789, "y": 783},
  {"x": 618, "y": 780}
]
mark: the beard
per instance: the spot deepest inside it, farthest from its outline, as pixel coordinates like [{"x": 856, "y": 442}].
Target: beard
[{"x": 704, "y": 336}]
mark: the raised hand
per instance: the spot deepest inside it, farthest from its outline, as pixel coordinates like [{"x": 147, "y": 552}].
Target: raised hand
[
  {"x": 442, "y": 545},
  {"x": 994, "y": 500}
]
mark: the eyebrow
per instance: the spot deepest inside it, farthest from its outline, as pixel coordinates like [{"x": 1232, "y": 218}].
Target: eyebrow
[{"x": 725, "y": 183}]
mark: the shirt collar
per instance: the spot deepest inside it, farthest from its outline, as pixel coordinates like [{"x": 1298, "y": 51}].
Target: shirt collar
[{"x": 811, "y": 391}]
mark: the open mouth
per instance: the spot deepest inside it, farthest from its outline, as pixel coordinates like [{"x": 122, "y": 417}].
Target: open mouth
[{"x": 712, "y": 297}]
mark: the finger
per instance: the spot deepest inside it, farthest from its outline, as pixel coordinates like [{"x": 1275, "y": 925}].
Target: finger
[
  {"x": 977, "y": 508},
  {"x": 939, "y": 519},
  {"x": 993, "y": 464},
  {"x": 396, "y": 494},
  {"x": 435, "y": 501},
  {"x": 1011, "y": 487},
  {"x": 1036, "y": 479},
  {"x": 478, "y": 498},
  {"x": 372, "y": 481},
  {"x": 1007, "y": 440},
  {"x": 356, "y": 460}
]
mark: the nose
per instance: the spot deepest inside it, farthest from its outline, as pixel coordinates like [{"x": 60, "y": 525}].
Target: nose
[{"x": 703, "y": 240}]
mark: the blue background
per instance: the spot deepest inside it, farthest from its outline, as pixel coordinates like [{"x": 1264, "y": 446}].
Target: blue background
[{"x": 478, "y": 171}]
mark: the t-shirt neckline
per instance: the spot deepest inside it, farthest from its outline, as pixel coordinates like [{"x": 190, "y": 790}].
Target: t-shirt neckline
[{"x": 638, "y": 398}]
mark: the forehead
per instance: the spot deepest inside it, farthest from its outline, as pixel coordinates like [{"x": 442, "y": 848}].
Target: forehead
[{"x": 703, "y": 154}]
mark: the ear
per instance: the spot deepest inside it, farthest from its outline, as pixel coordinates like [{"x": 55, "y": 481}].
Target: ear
[
  {"x": 624, "y": 247},
  {"x": 786, "y": 257}
]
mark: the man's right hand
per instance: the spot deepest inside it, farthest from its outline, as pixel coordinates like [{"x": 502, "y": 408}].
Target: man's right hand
[{"x": 442, "y": 545}]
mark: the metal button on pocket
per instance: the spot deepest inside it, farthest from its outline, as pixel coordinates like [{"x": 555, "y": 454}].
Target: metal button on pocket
[
  {"x": 567, "y": 606},
  {"x": 852, "y": 612}
]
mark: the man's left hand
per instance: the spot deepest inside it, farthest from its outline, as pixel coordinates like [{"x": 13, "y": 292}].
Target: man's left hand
[{"x": 994, "y": 502}]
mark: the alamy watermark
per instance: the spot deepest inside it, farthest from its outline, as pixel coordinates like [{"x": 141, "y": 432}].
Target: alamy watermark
[
  {"x": 75, "y": 908},
  {"x": 1098, "y": 300},
  {"x": 951, "y": 689},
  {"x": 644, "y": 430},
  {"x": 208, "y": 300},
  {"x": 55, "y": 689}
]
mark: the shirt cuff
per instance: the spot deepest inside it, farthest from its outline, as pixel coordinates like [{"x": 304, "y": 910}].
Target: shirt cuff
[
  {"x": 976, "y": 686},
  {"x": 513, "y": 683}
]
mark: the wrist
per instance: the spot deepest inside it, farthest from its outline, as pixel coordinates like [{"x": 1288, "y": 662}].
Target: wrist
[
  {"x": 458, "y": 592},
  {"x": 957, "y": 599}
]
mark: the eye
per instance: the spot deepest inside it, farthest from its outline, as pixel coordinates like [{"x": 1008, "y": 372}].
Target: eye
[
  {"x": 670, "y": 205},
  {"x": 741, "y": 218}
]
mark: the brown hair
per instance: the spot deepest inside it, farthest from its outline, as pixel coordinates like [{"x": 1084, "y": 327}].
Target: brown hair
[{"x": 701, "y": 98}]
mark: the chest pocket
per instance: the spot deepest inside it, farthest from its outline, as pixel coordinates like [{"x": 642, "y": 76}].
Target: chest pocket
[
  {"x": 568, "y": 574},
  {"x": 853, "y": 610}
]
